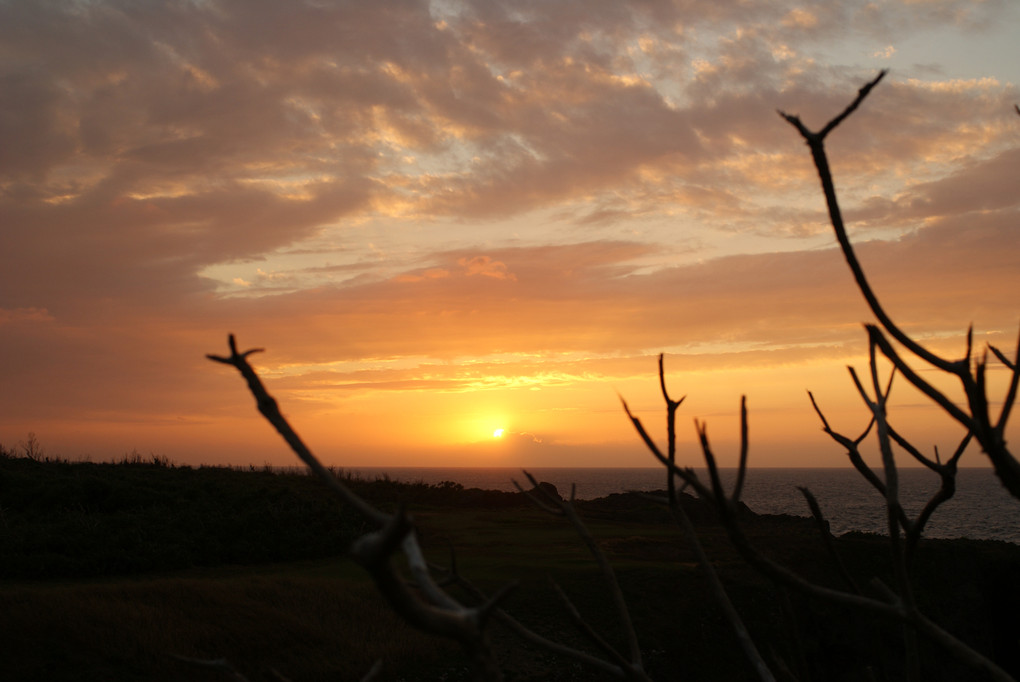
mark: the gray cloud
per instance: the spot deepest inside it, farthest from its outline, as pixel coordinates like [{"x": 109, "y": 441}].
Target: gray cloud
[{"x": 141, "y": 143}]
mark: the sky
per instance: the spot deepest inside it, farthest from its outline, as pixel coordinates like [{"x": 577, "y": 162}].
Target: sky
[{"x": 462, "y": 230}]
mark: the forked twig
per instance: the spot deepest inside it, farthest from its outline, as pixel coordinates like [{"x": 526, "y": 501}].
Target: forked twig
[
  {"x": 439, "y": 613},
  {"x": 671, "y": 408},
  {"x": 893, "y": 607},
  {"x": 588, "y": 631},
  {"x": 632, "y": 667},
  {"x": 271, "y": 411},
  {"x": 214, "y": 663},
  {"x": 680, "y": 516},
  {"x": 991, "y": 435},
  {"x": 823, "y": 530}
]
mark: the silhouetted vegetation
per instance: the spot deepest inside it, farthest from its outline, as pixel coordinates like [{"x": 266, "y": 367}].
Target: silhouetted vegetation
[
  {"x": 100, "y": 605},
  {"x": 73, "y": 519},
  {"x": 61, "y": 518}
]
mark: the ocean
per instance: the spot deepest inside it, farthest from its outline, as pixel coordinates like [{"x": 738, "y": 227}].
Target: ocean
[{"x": 981, "y": 508}]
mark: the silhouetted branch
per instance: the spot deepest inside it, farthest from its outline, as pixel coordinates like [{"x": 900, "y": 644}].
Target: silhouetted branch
[
  {"x": 215, "y": 663},
  {"x": 271, "y": 411},
  {"x": 875, "y": 336},
  {"x": 566, "y": 508},
  {"x": 894, "y": 516},
  {"x": 852, "y": 446},
  {"x": 533, "y": 637},
  {"x": 440, "y": 614},
  {"x": 823, "y": 530},
  {"x": 742, "y": 466},
  {"x": 426, "y": 605},
  {"x": 897, "y": 607},
  {"x": 990, "y": 436},
  {"x": 588, "y": 631},
  {"x": 722, "y": 598},
  {"x": 671, "y": 408},
  {"x": 1011, "y": 393},
  {"x": 373, "y": 672},
  {"x": 687, "y": 475},
  {"x": 947, "y": 488},
  {"x": 816, "y": 143}
]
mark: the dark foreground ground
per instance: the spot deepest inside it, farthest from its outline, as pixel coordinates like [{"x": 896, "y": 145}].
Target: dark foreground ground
[{"x": 121, "y": 572}]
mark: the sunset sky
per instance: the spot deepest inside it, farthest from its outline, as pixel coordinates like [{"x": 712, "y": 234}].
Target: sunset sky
[{"x": 443, "y": 219}]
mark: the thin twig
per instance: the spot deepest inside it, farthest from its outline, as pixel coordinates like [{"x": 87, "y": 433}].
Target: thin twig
[
  {"x": 893, "y": 608},
  {"x": 217, "y": 663},
  {"x": 830, "y": 547},
  {"x": 608, "y": 574},
  {"x": 747, "y": 645},
  {"x": 581, "y": 624},
  {"x": 441, "y": 615},
  {"x": 991, "y": 437},
  {"x": 671, "y": 408},
  {"x": 373, "y": 672}
]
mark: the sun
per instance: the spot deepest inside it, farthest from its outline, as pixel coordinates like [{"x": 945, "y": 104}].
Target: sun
[{"x": 498, "y": 433}]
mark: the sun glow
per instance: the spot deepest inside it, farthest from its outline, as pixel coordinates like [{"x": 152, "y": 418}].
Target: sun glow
[{"x": 498, "y": 433}]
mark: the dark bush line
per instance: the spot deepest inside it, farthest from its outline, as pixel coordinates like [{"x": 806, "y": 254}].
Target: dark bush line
[
  {"x": 79, "y": 519},
  {"x": 68, "y": 519}
]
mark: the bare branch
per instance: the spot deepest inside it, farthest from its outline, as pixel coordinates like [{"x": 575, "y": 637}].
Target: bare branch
[
  {"x": 373, "y": 672},
  {"x": 539, "y": 497},
  {"x": 934, "y": 465},
  {"x": 877, "y": 337},
  {"x": 217, "y": 663},
  {"x": 744, "y": 639},
  {"x": 722, "y": 598},
  {"x": 713, "y": 469},
  {"x": 852, "y": 446},
  {"x": 947, "y": 488},
  {"x": 895, "y": 609},
  {"x": 270, "y": 410},
  {"x": 990, "y": 437},
  {"x": 742, "y": 467},
  {"x": 823, "y": 529},
  {"x": 1011, "y": 393},
  {"x": 529, "y": 635},
  {"x": 644, "y": 434},
  {"x": 671, "y": 408},
  {"x": 816, "y": 142},
  {"x": 374, "y": 551},
  {"x": 861, "y": 94},
  {"x": 608, "y": 575},
  {"x": 587, "y": 629},
  {"x": 687, "y": 475}
]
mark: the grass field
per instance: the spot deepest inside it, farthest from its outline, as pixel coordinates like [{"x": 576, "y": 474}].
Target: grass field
[{"x": 115, "y": 572}]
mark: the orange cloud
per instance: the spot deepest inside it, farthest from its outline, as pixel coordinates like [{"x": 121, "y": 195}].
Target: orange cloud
[
  {"x": 8, "y": 316},
  {"x": 431, "y": 273},
  {"x": 452, "y": 204},
  {"x": 486, "y": 267}
]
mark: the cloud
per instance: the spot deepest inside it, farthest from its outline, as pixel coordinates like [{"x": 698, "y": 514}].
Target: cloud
[
  {"x": 13, "y": 316},
  {"x": 593, "y": 298},
  {"x": 430, "y": 182},
  {"x": 486, "y": 267}
]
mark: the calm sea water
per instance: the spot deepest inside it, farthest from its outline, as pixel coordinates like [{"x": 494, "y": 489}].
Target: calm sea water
[{"x": 981, "y": 508}]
